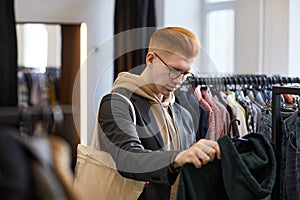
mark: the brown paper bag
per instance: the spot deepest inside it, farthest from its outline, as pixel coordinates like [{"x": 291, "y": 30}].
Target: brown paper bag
[{"x": 97, "y": 177}]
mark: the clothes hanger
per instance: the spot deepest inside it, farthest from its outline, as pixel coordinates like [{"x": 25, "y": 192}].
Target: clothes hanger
[
  {"x": 298, "y": 102},
  {"x": 203, "y": 84},
  {"x": 239, "y": 142},
  {"x": 230, "y": 125}
]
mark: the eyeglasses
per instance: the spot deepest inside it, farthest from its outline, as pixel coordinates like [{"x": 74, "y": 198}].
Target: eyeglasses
[{"x": 175, "y": 73}]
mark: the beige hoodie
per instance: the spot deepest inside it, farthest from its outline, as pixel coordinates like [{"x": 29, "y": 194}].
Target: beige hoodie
[{"x": 162, "y": 111}]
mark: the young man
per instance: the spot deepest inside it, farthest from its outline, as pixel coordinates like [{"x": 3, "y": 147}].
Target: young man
[{"x": 154, "y": 139}]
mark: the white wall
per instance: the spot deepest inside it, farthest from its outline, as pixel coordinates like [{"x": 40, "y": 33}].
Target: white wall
[
  {"x": 276, "y": 37},
  {"x": 54, "y": 45},
  {"x": 188, "y": 15},
  {"x": 262, "y": 37},
  {"x": 248, "y": 36},
  {"x": 294, "y": 39},
  {"x": 181, "y": 13}
]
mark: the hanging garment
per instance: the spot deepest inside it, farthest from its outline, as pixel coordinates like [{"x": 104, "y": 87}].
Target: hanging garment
[
  {"x": 211, "y": 134},
  {"x": 249, "y": 111},
  {"x": 188, "y": 100},
  {"x": 246, "y": 171},
  {"x": 259, "y": 97},
  {"x": 22, "y": 90},
  {"x": 14, "y": 166},
  {"x": 35, "y": 97},
  {"x": 232, "y": 129},
  {"x": 44, "y": 90},
  {"x": 290, "y": 157},
  {"x": 225, "y": 116},
  {"x": 219, "y": 122},
  {"x": 240, "y": 113},
  {"x": 35, "y": 168}
]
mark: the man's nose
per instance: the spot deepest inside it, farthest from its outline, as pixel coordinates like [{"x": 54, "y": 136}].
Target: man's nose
[{"x": 179, "y": 79}]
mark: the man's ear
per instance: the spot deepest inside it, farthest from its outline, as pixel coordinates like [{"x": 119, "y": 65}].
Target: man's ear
[{"x": 150, "y": 59}]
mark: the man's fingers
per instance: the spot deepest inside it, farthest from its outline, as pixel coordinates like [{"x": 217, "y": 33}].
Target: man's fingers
[{"x": 218, "y": 151}]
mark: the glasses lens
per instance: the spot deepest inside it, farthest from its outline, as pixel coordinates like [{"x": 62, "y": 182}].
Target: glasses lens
[{"x": 174, "y": 73}]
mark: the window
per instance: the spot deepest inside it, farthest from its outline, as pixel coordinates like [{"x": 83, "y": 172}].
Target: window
[
  {"x": 35, "y": 46},
  {"x": 39, "y": 45},
  {"x": 218, "y": 33}
]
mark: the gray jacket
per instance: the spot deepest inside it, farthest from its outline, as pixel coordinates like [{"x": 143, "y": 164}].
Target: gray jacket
[{"x": 139, "y": 149}]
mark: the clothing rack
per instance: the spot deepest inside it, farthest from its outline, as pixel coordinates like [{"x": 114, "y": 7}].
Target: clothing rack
[
  {"x": 56, "y": 119},
  {"x": 277, "y": 84},
  {"x": 28, "y": 116},
  {"x": 243, "y": 80},
  {"x": 38, "y": 88},
  {"x": 276, "y": 129}
]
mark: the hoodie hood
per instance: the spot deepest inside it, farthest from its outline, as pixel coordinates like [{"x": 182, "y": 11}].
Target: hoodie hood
[{"x": 135, "y": 84}]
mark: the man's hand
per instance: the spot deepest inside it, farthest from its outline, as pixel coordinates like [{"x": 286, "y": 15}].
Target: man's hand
[{"x": 199, "y": 154}]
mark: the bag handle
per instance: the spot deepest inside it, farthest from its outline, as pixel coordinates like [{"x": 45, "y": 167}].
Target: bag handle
[
  {"x": 130, "y": 103},
  {"x": 95, "y": 140}
]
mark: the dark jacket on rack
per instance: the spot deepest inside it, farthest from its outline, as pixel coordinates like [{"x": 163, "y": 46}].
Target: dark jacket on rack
[
  {"x": 35, "y": 167},
  {"x": 186, "y": 98},
  {"x": 139, "y": 149},
  {"x": 246, "y": 171}
]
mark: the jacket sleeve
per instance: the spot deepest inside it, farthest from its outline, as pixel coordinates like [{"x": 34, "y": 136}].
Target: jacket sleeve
[{"x": 118, "y": 136}]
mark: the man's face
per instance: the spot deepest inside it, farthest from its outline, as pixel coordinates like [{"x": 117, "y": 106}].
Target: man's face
[{"x": 169, "y": 72}]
